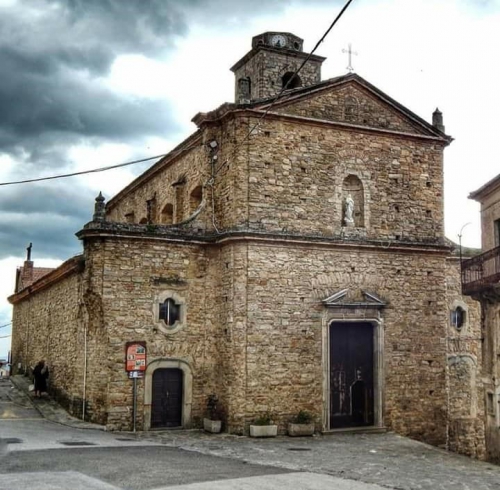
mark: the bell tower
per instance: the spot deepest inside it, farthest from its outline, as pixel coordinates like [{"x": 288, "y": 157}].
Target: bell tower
[{"x": 271, "y": 64}]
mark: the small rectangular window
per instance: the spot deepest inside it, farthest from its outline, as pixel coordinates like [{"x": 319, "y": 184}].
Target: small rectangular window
[
  {"x": 490, "y": 406},
  {"x": 496, "y": 224}
]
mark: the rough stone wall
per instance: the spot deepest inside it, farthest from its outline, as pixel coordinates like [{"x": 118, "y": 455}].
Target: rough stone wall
[
  {"x": 465, "y": 389},
  {"x": 225, "y": 196},
  {"x": 275, "y": 64},
  {"x": 192, "y": 168},
  {"x": 491, "y": 374},
  {"x": 351, "y": 104},
  {"x": 296, "y": 176},
  {"x": 134, "y": 273},
  {"x": 49, "y": 325},
  {"x": 490, "y": 212},
  {"x": 285, "y": 321}
]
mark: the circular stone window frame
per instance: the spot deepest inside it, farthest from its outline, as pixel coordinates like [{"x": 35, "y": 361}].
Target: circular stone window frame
[
  {"x": 160, "y": 324},
  {"x": 463, "y": 306}
]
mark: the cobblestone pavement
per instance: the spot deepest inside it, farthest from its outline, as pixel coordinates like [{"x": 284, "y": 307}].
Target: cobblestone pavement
[{"x": 387, "y": 459}]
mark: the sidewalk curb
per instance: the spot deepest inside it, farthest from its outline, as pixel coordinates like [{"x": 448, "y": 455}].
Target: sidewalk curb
[{"x": 49, "y": 409}]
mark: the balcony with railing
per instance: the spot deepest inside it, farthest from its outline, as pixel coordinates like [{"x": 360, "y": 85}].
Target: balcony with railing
[{"x": 481, "y": 272}]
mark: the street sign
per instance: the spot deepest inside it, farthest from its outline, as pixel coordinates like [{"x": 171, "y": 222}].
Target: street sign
[
  {"x": 135, "y": 374},
  {"x": 135, "y": 356}
]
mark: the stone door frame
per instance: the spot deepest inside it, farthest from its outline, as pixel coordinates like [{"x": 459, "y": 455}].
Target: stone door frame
[
  {"x": 378, "y": 365},
  {"x": 187, "y": 389}
]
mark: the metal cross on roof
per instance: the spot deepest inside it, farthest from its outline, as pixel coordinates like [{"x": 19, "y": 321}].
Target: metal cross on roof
[{"x": 350, "y": 52}]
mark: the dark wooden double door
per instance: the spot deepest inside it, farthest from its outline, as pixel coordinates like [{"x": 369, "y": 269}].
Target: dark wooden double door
[
  {"x": 351, "y": 374},
  {"x": 166, "y": 406}
]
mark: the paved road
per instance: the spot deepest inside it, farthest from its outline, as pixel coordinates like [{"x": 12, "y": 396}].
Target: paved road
[
  {"x": 59, "y": 457},
  {"x": 37, "y": 453}
]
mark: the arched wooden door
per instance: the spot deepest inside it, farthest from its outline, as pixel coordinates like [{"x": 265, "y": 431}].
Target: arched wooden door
[
  {"x": 166, "y": 403},
  {"x": 351, "y": 374}
]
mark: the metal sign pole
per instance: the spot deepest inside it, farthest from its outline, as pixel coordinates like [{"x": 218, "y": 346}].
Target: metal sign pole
[{"x": 135, "y": 401}]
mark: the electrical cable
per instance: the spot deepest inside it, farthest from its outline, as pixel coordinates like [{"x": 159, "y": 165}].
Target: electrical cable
[
  {"x": 6, "y": 325},
  {"x": 284, "y": 88},
  {"x": 101, "y": 169}
]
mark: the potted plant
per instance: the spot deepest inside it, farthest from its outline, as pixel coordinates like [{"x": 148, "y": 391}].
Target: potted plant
[
  {"x": 263, "y": 426},
  {"x": 302, "y": 424},
  {"x": 212, "y": 422}
]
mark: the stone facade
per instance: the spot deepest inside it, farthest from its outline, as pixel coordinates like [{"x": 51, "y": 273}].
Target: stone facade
[
  {"x": 481, "y": 276},
  {"x": 247, "y": 235}
]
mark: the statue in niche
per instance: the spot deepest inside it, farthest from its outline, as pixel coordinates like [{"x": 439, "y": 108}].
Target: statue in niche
[{"x": 349, "y": 211}]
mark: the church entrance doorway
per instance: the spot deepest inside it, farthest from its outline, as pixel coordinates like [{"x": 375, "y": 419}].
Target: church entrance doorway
[
  {"x": 166, "y": 403},
  {"x": 351, "y": 374}
]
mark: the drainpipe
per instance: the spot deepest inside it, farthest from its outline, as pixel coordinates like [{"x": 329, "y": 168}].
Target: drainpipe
[{"x": 84, "y": 369}]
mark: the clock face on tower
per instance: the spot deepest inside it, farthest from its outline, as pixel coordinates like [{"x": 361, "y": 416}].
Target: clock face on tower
[{"x": 278, "y": 41}]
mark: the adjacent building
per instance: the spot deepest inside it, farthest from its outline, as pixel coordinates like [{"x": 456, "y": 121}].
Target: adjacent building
[
  {"x": 481, "y": 280},
  {"x": 288, "y": 255}
]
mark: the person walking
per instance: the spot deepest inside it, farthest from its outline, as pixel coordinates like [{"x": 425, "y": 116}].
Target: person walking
[{"x": 40, "y": 374}]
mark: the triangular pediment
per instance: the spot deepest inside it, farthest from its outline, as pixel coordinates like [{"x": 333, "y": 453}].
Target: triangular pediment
[
  {"x": 354, "y": 298},
  {"x": 352, "y": 100}
]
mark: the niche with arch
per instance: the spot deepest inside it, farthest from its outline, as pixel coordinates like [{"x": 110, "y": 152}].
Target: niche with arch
[
  {"x": 195, "y": 199},
  {"x": 292, "y": 79},
  {"x": 244, "y": 88},
  {"x": 351, "y": 108},
  {"x": 352, "y": 189},
  {"x": 167, "y": 214}
]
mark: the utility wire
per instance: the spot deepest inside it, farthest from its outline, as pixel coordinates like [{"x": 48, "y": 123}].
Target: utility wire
[
  {"x": 6, "y": 325},
  {"x": 277, "y": 97},
  {"x": 5, "y": 336},
  {"x": 95, "y": 170},
  {"x": 142, "y": 160},
  {"x": 298, "y": 70},
  {"x": 102, "y": 169}
]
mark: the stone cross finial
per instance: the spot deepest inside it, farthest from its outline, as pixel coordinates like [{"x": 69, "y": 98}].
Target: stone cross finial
[
  {"x": 350, "y": 52},
  {"x": 28, "y": 250},
  {"x": 99, "y": 208}
]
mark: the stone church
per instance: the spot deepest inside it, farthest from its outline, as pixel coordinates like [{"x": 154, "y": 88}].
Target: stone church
[{"x": 288, "y": 255}]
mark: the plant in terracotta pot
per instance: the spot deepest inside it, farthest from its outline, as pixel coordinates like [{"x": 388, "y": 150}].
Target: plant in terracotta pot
[
  {"x": 212, "y": 422},
  {"x": 302, "y": 424},
  {"x": 263, "y": 426}
]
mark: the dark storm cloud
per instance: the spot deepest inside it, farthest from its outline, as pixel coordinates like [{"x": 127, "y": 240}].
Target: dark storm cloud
[
  {"x": 48, "y": 215},
  {"x": 54, "y": 58},
  {"x": 51, "y": 91}
]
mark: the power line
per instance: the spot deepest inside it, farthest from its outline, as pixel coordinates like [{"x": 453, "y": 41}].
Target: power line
[
  {"x": 6, "y": 325},
  {"x": 103, "y": 169},
  {"x": 5, "y": 336},
  {"x": 277, "y": 97},
  {"x": 95, "y": 170},
  {"x": 300, "y": 68}
]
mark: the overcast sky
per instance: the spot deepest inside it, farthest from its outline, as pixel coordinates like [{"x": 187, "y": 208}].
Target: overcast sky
[{"x": 89, "y": 83}]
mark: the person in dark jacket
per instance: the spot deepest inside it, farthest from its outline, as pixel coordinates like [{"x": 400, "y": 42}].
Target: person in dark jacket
[{"x": 40, "y": 373}]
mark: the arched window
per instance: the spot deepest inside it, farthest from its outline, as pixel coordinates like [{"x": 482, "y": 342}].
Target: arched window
[
  {"x": 144, "y": 221},
  {"x": 291, "y": 79},
  {"x": 169, "y": 312},
  {"x": 244, "y": 89},
  {"x": 167, "y": 214},
  {"x": 180, "y": 190},
  {"x": 195, "y": 199},
  {"x": 458, "y": 316},
  {"x": 353, "y": 202}
]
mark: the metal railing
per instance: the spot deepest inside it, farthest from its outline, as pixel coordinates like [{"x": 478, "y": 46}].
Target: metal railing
[{"x": 481, "y": 272}]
